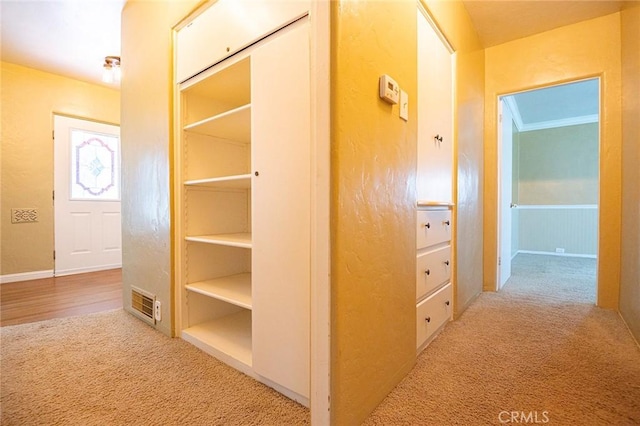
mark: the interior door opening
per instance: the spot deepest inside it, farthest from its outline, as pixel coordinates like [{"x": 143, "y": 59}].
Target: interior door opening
[{"x": 548, "y": 189}]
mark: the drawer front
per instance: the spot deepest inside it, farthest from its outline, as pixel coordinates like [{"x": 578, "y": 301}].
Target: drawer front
[
  {"x": 433, "y": 268},
  {"x": 433, "y": 227},
  {"x": 432, "y": 313}
]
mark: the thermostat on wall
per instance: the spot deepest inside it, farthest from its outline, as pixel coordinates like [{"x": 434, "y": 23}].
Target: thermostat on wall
[{"x": 389, "y": 89}]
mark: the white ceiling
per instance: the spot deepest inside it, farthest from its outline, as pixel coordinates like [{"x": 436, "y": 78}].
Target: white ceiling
[
  {"x": 72, "y": 37},
  {"x": 65, "y": 37},
  {"x": 557, "y": 106}
]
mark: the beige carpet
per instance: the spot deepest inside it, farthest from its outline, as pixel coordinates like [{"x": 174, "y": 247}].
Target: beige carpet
[
  {"x": 539, "y": 350},
  {"x": 112, "y": 369}
]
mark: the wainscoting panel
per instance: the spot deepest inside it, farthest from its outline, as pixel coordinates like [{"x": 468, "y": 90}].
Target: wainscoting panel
[{"x": 567, "y": 229}]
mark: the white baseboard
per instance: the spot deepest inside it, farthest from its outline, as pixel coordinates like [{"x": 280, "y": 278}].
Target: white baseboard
[
  {"x": 85, "y": 270},
  {"x": 552, "y": 253},
  {"x": 36, "y": 275},
  {"x": 25, "y": 276},
  {"x": 633, "y": 336}
]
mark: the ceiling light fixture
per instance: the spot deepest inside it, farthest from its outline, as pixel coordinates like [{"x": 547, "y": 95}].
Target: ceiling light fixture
[{"x": 111, "y": 72}]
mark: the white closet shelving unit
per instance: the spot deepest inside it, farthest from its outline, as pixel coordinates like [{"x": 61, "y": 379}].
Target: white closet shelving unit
[
  {"x": 216, "y": 196},
  {"x": 242, "y": 167}
]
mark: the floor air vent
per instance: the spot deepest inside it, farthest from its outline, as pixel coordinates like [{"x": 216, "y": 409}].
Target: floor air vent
[{"x": 142, "y": 303}]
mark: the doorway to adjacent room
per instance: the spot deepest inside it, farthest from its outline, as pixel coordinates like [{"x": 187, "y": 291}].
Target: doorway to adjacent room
[{"x": 548, "y": 144}]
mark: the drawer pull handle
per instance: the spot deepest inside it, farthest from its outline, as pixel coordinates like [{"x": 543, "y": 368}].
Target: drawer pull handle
[
  {"x": 428, "y": 272},
  {"x": 438, "y": 138},
  {"x": 428, "y": 225},
  {"x": 446, "y": 222},
  {"x": 447, "y": 303},
  {"x": 446, "y": 262},
  {"x": 428, "y": 319}
]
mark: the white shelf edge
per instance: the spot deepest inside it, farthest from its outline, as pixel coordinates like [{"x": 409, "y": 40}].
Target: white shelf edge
[
  {"x": 234, "y": 289},
  {"x": 217, "y": 117},
  {"x": 431, "y": 203},
  {"x": 242, "y": 240},
  {"x": 234, "y": 181},
  {"x": 227, "y": 338}
]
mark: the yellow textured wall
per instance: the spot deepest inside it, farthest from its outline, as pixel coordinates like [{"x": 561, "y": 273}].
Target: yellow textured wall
[
  {"x": 587, "y": 49},
  {"x": 29, "y": 99},
  {"x": 373, "y": 161},
  {"x": 146, "y": 145},
  {"x": 630, "y": 276},
  {"x": 453, "y": 20}
]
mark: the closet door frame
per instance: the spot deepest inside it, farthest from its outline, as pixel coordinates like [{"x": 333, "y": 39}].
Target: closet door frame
[{"x": 320, "y": 290}]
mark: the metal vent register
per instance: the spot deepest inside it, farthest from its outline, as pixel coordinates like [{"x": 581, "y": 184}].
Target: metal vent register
[{"x": 142, "y": 303}]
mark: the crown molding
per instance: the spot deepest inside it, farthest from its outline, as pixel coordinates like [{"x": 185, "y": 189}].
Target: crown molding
[
  {"x": 541, "y": 125},
  {"x": 511, "y": 103},
  {"x": 564, "y": 122}
]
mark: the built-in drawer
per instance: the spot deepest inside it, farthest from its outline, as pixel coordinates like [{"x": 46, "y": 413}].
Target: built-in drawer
[
  {"x": 433, "y": 268},
  {"x": 432, "y": 313},
  {"x": 433, "y": 227}
]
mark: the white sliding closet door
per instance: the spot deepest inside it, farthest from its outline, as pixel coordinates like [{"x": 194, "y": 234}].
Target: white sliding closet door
[{"x": 280, "y": 104}]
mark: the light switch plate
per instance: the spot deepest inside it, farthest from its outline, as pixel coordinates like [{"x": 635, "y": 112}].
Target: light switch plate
[{"x": 404, "y": 105}]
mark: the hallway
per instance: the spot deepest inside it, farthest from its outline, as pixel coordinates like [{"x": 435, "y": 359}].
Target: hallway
[{"x": 540, "y": 347}]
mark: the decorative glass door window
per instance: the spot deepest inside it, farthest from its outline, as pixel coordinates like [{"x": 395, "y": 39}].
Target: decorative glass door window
[{"x": 95, "y": 166}]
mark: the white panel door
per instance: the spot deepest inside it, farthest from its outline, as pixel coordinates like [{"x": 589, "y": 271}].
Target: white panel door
[
  {"x": 505, "y": 173},
  {"x": 87, "y": 196},
  {"x": 435, "y": 116},
  {"x": 280, "y": 109}
]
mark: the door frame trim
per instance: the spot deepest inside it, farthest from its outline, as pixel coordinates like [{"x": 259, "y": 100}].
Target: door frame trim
[{"x": 496, "y": 283}]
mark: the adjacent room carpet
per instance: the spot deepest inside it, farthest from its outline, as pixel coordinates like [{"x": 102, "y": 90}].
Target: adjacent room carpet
[{"x": 538, "y": 350}]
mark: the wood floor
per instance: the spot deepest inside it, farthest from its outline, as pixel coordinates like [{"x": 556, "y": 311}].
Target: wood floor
[{"x": 47, "y": 298}]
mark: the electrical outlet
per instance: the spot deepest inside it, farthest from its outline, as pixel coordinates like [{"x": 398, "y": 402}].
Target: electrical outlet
[
  {"x": 559, "y": 250},
  {"x": 157, "y": 311}
]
